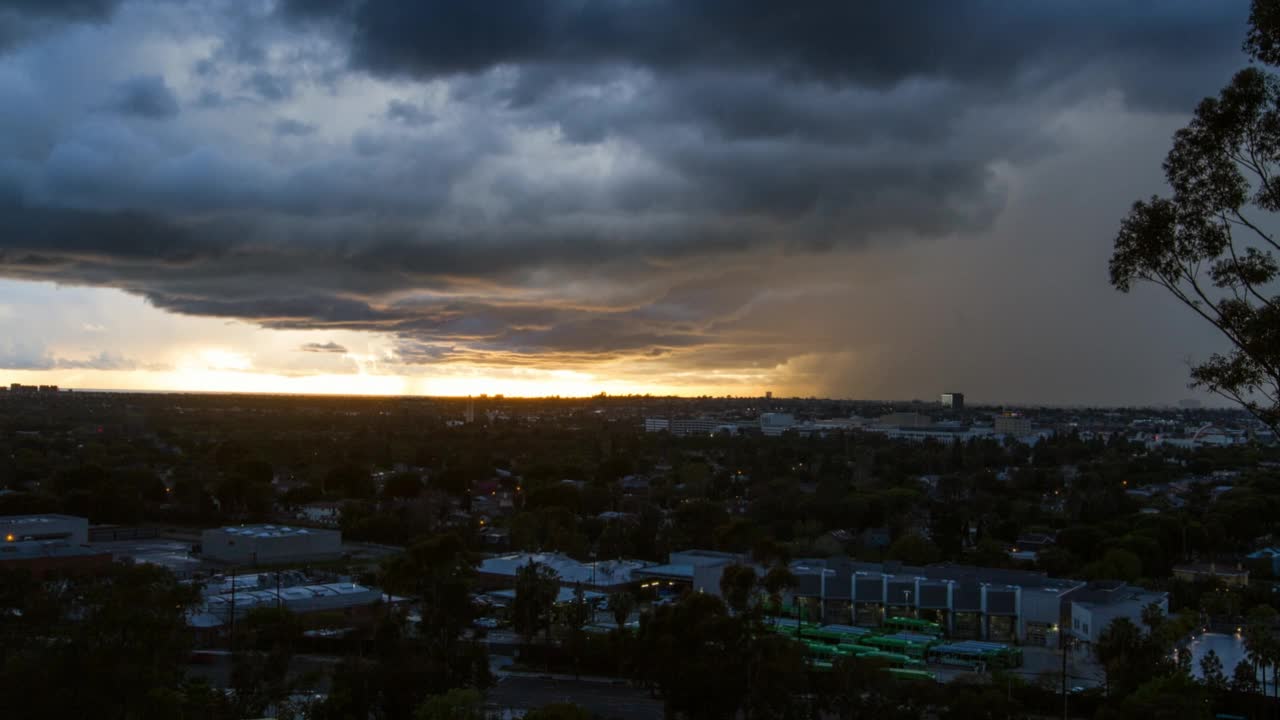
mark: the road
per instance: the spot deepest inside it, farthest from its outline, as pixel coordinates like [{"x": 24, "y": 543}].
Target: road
[{"x": 612, "y": 701}]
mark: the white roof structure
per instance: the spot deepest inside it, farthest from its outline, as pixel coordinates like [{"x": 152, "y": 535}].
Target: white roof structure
[
  {"x": 299, "y": 599},
  {"x": 571, "y": 572}
]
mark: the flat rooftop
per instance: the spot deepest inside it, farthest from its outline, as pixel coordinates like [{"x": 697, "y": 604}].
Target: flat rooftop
[
  {"x": 42, "y": 519},
  {"x": 967, "y": 574},
  {"x": 30, "y": 550},
  {"x": 270, "y": 531},
  {"x": 1103, "y": 594}
]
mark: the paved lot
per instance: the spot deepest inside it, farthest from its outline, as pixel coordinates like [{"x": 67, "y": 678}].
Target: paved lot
[{"x": 610, "y": 701}]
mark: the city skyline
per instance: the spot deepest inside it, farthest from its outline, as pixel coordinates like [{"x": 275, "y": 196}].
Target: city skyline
[{"x": 665, "y": 198}]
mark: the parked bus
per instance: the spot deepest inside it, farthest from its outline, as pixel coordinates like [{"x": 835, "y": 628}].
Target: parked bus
[
  {"x": 908, "y": 674},
  {"x": 906, "y": 624},
  {"x": 976, "y": 655},
  {"x": 893, "y": 643}
]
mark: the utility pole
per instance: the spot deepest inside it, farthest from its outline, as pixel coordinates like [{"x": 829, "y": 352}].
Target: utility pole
[
  {"x": 232, "y": 620},
  {"x": 1066, "y": 643}
]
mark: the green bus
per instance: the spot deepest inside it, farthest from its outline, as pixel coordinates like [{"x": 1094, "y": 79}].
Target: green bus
[
  {"x": 976, "y": 655},
  {"x": 889, "y": 643},
  {"x": 906, "y": 624}
]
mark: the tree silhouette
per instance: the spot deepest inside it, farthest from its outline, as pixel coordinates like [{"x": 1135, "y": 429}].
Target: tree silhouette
[
  {"x": 1207, "y": 244},
  {"x": 537, "y": 586},
  {"x": 1211, "y": 670}
]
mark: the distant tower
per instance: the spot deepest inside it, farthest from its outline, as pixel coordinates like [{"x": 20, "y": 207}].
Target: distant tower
[
  {"x": 768, "y": 395},
  {"x": 953, "y": 401},
  {"x": 471, "y": 409}
]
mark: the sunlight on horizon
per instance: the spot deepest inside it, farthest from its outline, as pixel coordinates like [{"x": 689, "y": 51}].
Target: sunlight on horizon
[{"x": 204, "y": 379}]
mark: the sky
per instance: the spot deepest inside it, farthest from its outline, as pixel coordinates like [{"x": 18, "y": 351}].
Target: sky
[{"x": 885, "y": 199}]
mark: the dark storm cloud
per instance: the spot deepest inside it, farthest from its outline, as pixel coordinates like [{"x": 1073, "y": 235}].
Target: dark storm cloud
[
  {"x": 145, "y": 96},
  {"x": 408, "y": 113},
  {"x": 329, "y": 347},
  {"x": 269, "y": 86},
  {"x": 571, "y": 179},
  {"x": 875, "y": 44},
  {"x": 22, "y": 21},
  {"x": 294, "y": 127}
]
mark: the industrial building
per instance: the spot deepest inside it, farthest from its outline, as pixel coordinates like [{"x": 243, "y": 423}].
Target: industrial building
[
  {"x": 270, "y": 544},
  {"x": 603, "y": 576},
  {"x": 63, "y": 528},
  {"x": 968, "y": 602},
  {"x": 696, "y": 570},
  {"x": 952, "y": 401}
]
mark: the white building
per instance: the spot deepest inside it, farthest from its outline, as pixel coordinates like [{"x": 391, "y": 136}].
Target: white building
[
  {"x": 697, "y": 570},
  {"x": 1094, "y": 607},
  {"x": 684, "y": 427},
  {"x": 656, "y": 424},
  {"x": 267, "y": 544}
]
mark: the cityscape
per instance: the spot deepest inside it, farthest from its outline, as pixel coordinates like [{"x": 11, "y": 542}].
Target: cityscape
[
  {"x": 537, "y": 359},
  {"x": 545, "y": 541}
]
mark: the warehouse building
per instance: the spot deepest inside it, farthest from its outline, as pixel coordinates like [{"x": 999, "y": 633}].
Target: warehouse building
[
  {"x": 969, "y": 602},
  {"x": 270, "y": 544},
  {"x": 63, "y": 528},
  {"x": 52, "y": 556},
  {"x": 330, "y": 597}
]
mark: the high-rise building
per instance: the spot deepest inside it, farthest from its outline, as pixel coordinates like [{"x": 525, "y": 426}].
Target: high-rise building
[{"x": 953, "y": 401}]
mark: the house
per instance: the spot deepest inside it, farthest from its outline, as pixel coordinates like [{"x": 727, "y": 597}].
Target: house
[
  {"x": 1267, "y": 558},
  {"x": 1203, "y": 572}
]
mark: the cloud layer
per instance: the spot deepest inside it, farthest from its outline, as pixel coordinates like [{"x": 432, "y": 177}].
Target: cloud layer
[{"x": 649, "y": 187}]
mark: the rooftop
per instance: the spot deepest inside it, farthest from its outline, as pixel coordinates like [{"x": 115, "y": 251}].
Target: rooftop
[
  {"x": 268, "y": 531},
  {"x": 681, "y": 572},
  {"x": 44, "y": 518},
  {"x": 1110, "y": 593},
  {"x": 943, "y": 572},
  {"x": 603, "y": 572}
]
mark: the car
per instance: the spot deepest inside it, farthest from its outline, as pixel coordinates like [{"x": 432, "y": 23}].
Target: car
[
  {"x": 1077, "y": 690},
  {"x": 489, "y": 623}
]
